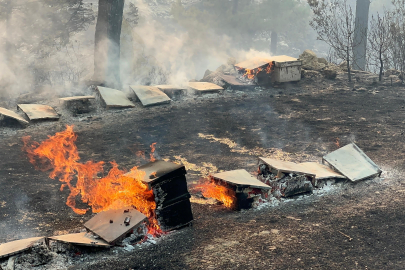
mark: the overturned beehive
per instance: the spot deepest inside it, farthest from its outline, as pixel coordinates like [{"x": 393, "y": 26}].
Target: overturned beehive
[{"x": 169, "y": 185}]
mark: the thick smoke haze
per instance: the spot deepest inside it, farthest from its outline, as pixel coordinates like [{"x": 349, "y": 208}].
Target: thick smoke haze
[{"x": 45, "y": 60}]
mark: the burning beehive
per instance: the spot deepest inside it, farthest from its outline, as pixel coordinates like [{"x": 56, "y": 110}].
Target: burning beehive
[
  {"x": 269, "y": 70},
  {"x": 236, "y": 189},
  {"x": 169, "y": 185}
]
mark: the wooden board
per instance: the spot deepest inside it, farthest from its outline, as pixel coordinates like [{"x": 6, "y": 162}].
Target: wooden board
[
  {"x": 112, "y": 232},
  {"x": 353, "y": 163},
  {"x": 83, "y": 239},
  {"x": 254, "y": 63},
  {"x": 205, "y": 87},
  {"x": 76, "y": 98},
  {"x": 18, "y": 246},
  {"x": 240, "y": 178},
  {"x": 287, "y": 166},
  {"x": 38, "y": 111},
  {"x": 150, "y": 95},
  {"x": 114, "y": 98},
  {"x": 155, "y": 170},
  {"x": 11, "y": 114},
  {"x": 321, "y": 171}
]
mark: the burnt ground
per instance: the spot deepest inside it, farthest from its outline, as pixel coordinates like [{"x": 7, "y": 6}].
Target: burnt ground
[{"x": 358, "y": 226}]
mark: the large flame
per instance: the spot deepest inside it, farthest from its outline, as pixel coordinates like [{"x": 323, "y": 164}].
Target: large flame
[
  {"x": 252, "y": 73},
  {"x": 60, "y": 155},
  {"x": 212, "y": 190}
]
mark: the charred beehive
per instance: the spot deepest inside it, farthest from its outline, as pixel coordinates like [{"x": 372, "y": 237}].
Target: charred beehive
[
  {"x": 169, "y": 185},
  {"x": 243, "y": 187}
]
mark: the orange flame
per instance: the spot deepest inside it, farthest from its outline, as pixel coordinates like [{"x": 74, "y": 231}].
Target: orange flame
[
  {"x": 337, "y": 142},
  {"x": 59, "y": 153},
  {"x": 152, "y": 152},
  {"x": 218, "y": 192},
  {"x": 252, "y": 73}
]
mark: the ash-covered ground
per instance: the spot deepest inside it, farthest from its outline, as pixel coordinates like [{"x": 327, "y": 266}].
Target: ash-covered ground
[{"x": 350, "y": 226}]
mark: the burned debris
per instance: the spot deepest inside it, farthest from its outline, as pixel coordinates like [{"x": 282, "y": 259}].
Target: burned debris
[{"x": 78, "y": 104}]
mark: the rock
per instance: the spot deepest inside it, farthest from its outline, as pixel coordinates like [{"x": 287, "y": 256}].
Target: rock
[
  {"x": 214, "y": 77},
  {"x": 329, "y": 73},
  {"x": 231, "y": 61},
  {"x": 221, "y": 68},
  {"x": 310, "y": 61},
  {"x": 207, "y": 72},
  {"x": 310, "y": 74},
  {"x": 323, "y": 61}
]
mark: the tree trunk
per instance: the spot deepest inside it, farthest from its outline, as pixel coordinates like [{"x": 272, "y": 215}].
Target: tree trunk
[
  {"x": 349, "y": 75},
  {"x": 107, "y": 43},
  {"x": 381, "y": 67},
  {"x": 360, "y": 34},
  {"x": 274, "y": 40}
]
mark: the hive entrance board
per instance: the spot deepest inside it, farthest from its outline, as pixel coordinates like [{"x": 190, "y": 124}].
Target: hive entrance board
[
  {"x": 13, "y": 115},
  {"x": 15, "y": 247},
  {"x": 114, "y": 98},
  {"x": 150, "y": 95},
  {"x": 38, "y": 111},
  {"x": 240, "y": 178},
  {"x": 83, "y": 239},
  {"x": 204, "y": 87},
  {"x": 114, "y": 231},
  {"x": 353, "y": 163}
]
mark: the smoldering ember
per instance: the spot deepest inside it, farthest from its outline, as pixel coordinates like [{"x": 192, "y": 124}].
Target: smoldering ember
[{"x": 202, "y": 134}]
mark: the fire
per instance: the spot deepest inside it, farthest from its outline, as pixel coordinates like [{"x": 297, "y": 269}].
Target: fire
[
  {"x": 152, "y": 152},
  {"x": 220, "y": 193},
  {"x": 252, "y": 73},
  {"x": 59, "y": 154},
  {"x": 337, "y": 142}
]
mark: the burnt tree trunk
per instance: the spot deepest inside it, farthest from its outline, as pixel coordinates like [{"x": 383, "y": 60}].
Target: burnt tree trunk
[
  {"x": 107, "y": 43},
  {"x": 360, "y": 34},
  {"x": 274, "y": 40},
  {"x": 349, "y": 75},
  {"x": 381, "y": 67}
]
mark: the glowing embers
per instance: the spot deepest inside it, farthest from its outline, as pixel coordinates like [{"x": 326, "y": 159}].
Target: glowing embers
[
  {"x": 236, "y": 189},
  {"x": 169, "y": 185}
]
